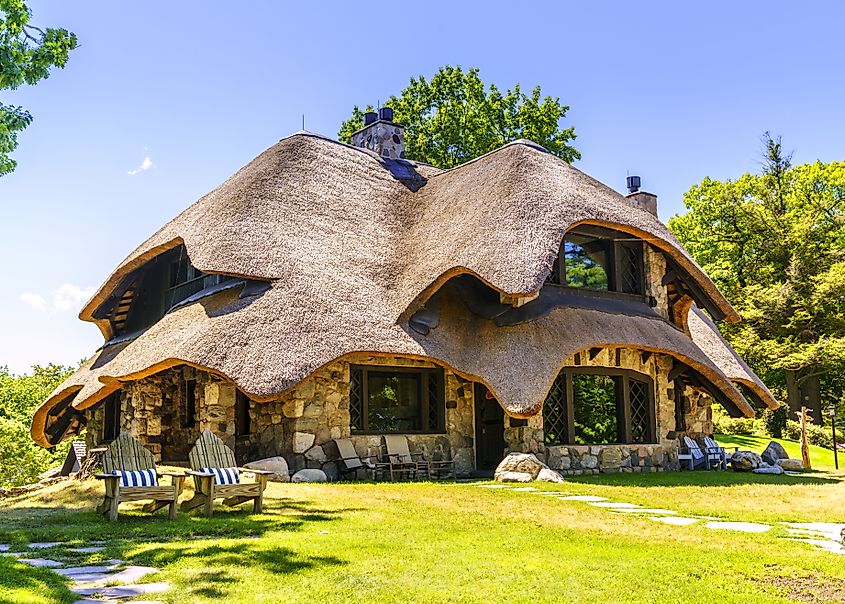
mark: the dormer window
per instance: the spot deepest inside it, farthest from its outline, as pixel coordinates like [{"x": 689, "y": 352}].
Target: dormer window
[{"x": 598, "y": 259}]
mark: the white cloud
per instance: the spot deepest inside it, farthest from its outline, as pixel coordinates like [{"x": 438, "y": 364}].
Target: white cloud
[
  {"x": 145, "y": 165},
  {"x": 66, "y": 297},
  {"x": 34, "y": 300}
]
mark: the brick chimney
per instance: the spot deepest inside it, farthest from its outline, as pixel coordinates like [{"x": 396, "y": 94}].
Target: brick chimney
[
  {"x": 381, "y": 134},
  {"x": 641, "y": 199}
]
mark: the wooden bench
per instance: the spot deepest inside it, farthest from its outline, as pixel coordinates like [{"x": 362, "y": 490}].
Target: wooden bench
[
  {"x": 211, "y": 452},
  {"x": 127, "y": 454}
]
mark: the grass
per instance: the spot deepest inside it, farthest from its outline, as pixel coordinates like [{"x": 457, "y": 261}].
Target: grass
[
  {"x": 422, "y": 542},
  {"x": 820, "y": 458}
]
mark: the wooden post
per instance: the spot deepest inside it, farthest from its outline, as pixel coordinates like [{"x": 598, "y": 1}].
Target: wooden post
[{"x": 805, "y": 448}]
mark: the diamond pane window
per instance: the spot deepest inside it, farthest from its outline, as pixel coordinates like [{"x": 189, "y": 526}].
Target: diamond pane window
[
  {"x": 554, "y": 413},
  {"x": 356, "y": 407},
  {"x": 640, "y": 412},
  {"x": 396, "y": 400}
]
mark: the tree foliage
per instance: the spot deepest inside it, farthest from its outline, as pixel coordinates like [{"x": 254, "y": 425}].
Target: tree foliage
[
  {"x": 22, "y": 460},
  {"x": 453, "y": 118},
  {"x": 27, "y": 54},
  {"x": 774, "y": 243}
]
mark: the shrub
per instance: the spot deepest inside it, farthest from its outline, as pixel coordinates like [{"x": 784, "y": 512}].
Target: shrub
[
  {"x": 816, "y": 435},
  {"x": 774, "y": 421},
  {"x": 729, "y": 425}
]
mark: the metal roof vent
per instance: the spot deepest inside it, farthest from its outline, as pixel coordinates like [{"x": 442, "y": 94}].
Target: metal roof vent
[{"x": 634, "y": 184}]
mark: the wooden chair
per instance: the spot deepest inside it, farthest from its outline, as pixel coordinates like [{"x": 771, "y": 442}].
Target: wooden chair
[
  {"x": 124, "y": 455},
  {"x": 692, "y": 454},
  {"x": 209, "y": 455},
  {"x": 715, "y": 453},
  {"x": 349, "y": 461}
]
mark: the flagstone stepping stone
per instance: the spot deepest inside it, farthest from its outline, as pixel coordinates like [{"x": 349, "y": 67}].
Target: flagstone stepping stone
[
  {"x": 4, "y": 547},
  {"x": 122, "y": 591},
  {"x": 492, "y": 486},
  {"x": 553, "y": 493},
  {"x": 645, "y": 511},
  {"x": 130, "y": 574},
  {"x": 87, "y": 550},
  {"x": 745, "y": 527},
  {"x": 42, "y": 562},
  {"x": 613, "y": 504},
  {"x": 84, "y": 570},
  {"x": 825, "y": 544},
  {"x": 525, "y": 489},
  {"x": 586, "y": 498},
  {"x": 676, "y": 520},
  {"x": 45, "y": 544}
]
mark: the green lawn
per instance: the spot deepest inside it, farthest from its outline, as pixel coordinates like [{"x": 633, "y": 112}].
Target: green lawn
[
  {"x": 454, "y": 543},
  {"x": 820, "y": 458}
]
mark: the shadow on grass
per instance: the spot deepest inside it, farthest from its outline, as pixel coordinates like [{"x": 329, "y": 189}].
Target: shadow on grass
[
  {"x": 19, "y": 525},
  {"x": 701, "y": 478},
  {"x": 19, "y": 581}
]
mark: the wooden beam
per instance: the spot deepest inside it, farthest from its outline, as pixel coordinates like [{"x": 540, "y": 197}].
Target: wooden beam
[{"x": 678, "y": 369}]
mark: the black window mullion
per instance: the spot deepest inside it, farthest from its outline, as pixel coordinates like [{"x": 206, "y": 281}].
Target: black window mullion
[
  {"x": 570, "y": 410},
  {"x": 365, "y": 401},
  {"x": 625, "y": 408}
]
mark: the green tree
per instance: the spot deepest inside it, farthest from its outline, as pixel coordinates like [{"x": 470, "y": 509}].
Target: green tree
[
  {"x": 22, "y": 460},
  {"x": 774, "y": 243},
  {"x": 453, "y": 118},
  {"x": 27, "y": 54}
]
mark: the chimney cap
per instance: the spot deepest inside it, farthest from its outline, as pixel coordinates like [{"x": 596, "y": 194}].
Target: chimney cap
[
  {"x": 370, "y": 117},
  {"x": 386, "y": 114},
  {"x": 634, "y": 183}
]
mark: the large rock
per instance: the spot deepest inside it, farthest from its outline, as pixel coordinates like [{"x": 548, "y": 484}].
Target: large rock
[
  {"x": 309, "y": 475},
  {"x": 525, "y": 463},
  {"x": 745, "y": 461},
  {"x": 547, "y": 475},
  {"x": 774, "y": 452},
  {"x": 507, "y": 476},
  {"x": 791, "y": 465},
  {"x": 767, "y": 469},
  {"x": 277, "y": 465}
]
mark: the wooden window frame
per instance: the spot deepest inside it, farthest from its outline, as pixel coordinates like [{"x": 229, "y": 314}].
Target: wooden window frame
[
  {"x": 243, "y": 406},
  {"x": 111, "y": 418},
  {"x": 424, "y": 372},
  {"x": 614, "y": 243},
  {"x": 623, "y": 402}
]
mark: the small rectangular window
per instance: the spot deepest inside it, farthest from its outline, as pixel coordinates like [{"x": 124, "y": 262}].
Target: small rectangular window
[
  {"x": 111, "y": 417},
  {"x": 189, "y": 404},
  {"x": 586, "y": 263},
  {"x": 242, "y": 425}
]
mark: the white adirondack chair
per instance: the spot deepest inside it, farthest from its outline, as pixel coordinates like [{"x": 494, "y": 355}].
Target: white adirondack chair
[{"x": 692, "y": 454}]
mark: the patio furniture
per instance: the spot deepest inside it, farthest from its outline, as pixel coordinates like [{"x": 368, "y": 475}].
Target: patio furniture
[
  {"x": 403, "y": 462},
  {"x": 130, "y": 474},
  {"x": 692, "y": 454},
  {"x": 216, "y": 476},
  {"x": 349, "y": 462},
  {"x": 715, "y": 453}
]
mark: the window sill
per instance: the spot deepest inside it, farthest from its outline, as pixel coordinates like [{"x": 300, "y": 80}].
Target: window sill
[{"x": 368, "y": 433}]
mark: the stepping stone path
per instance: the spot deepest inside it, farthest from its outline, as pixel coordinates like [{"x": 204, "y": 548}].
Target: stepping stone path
[
  {"x": 109, "y": 582},
  {"x": 823, "y": 535}
]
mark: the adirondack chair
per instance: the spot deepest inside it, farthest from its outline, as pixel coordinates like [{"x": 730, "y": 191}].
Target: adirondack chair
[
  {"x": 349, "y": 462},
  {"x": 216, "y": 476},
  {"x": 399, "y": 459},
  {"x": 692, "y": 454},
  {"x": 130, "y": 474},
  {"x": 715, "y": 453}
]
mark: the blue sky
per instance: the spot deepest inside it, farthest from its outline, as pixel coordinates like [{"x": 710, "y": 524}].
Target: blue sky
[{"x": 165, "y": 100}]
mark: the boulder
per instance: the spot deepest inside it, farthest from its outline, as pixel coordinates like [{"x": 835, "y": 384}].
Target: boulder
[
  {"x": 745, "y": 461},
  {"x": 277, "y": 465},
  {"x": 767, "y": 469},
  {"x": 309, "y": 475},
  {"x": 525, "y": 463},
  {"x": 547, "y": 475},
  {"x": 507, "y": 476},
  {"x": 791, "y": 465},
  {"x": 774, "y": 452}
]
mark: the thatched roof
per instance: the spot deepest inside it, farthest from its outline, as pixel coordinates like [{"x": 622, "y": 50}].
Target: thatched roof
[
  {"x": 706, "y": 336},
  {"x": 351, "y": 251}
]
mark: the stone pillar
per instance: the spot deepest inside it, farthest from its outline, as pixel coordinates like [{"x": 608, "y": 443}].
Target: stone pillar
[{"x": 217, "y": 411}]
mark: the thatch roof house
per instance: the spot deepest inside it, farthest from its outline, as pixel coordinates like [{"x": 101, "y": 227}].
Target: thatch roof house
[{"x": 330, "y": 290}]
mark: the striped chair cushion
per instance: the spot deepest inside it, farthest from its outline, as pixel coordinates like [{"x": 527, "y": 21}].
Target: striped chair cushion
[
  {"x": 223, "y": 475},
  {"x": 137, "y": 478}
]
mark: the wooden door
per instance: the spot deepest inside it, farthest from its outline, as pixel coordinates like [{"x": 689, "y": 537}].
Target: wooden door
[{"x": 489, "y": 429}]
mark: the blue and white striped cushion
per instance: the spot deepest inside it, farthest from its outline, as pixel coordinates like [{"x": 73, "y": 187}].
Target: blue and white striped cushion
[
  {"x": 137, "y": 478},
  {"x": 223, "y": 475}
]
